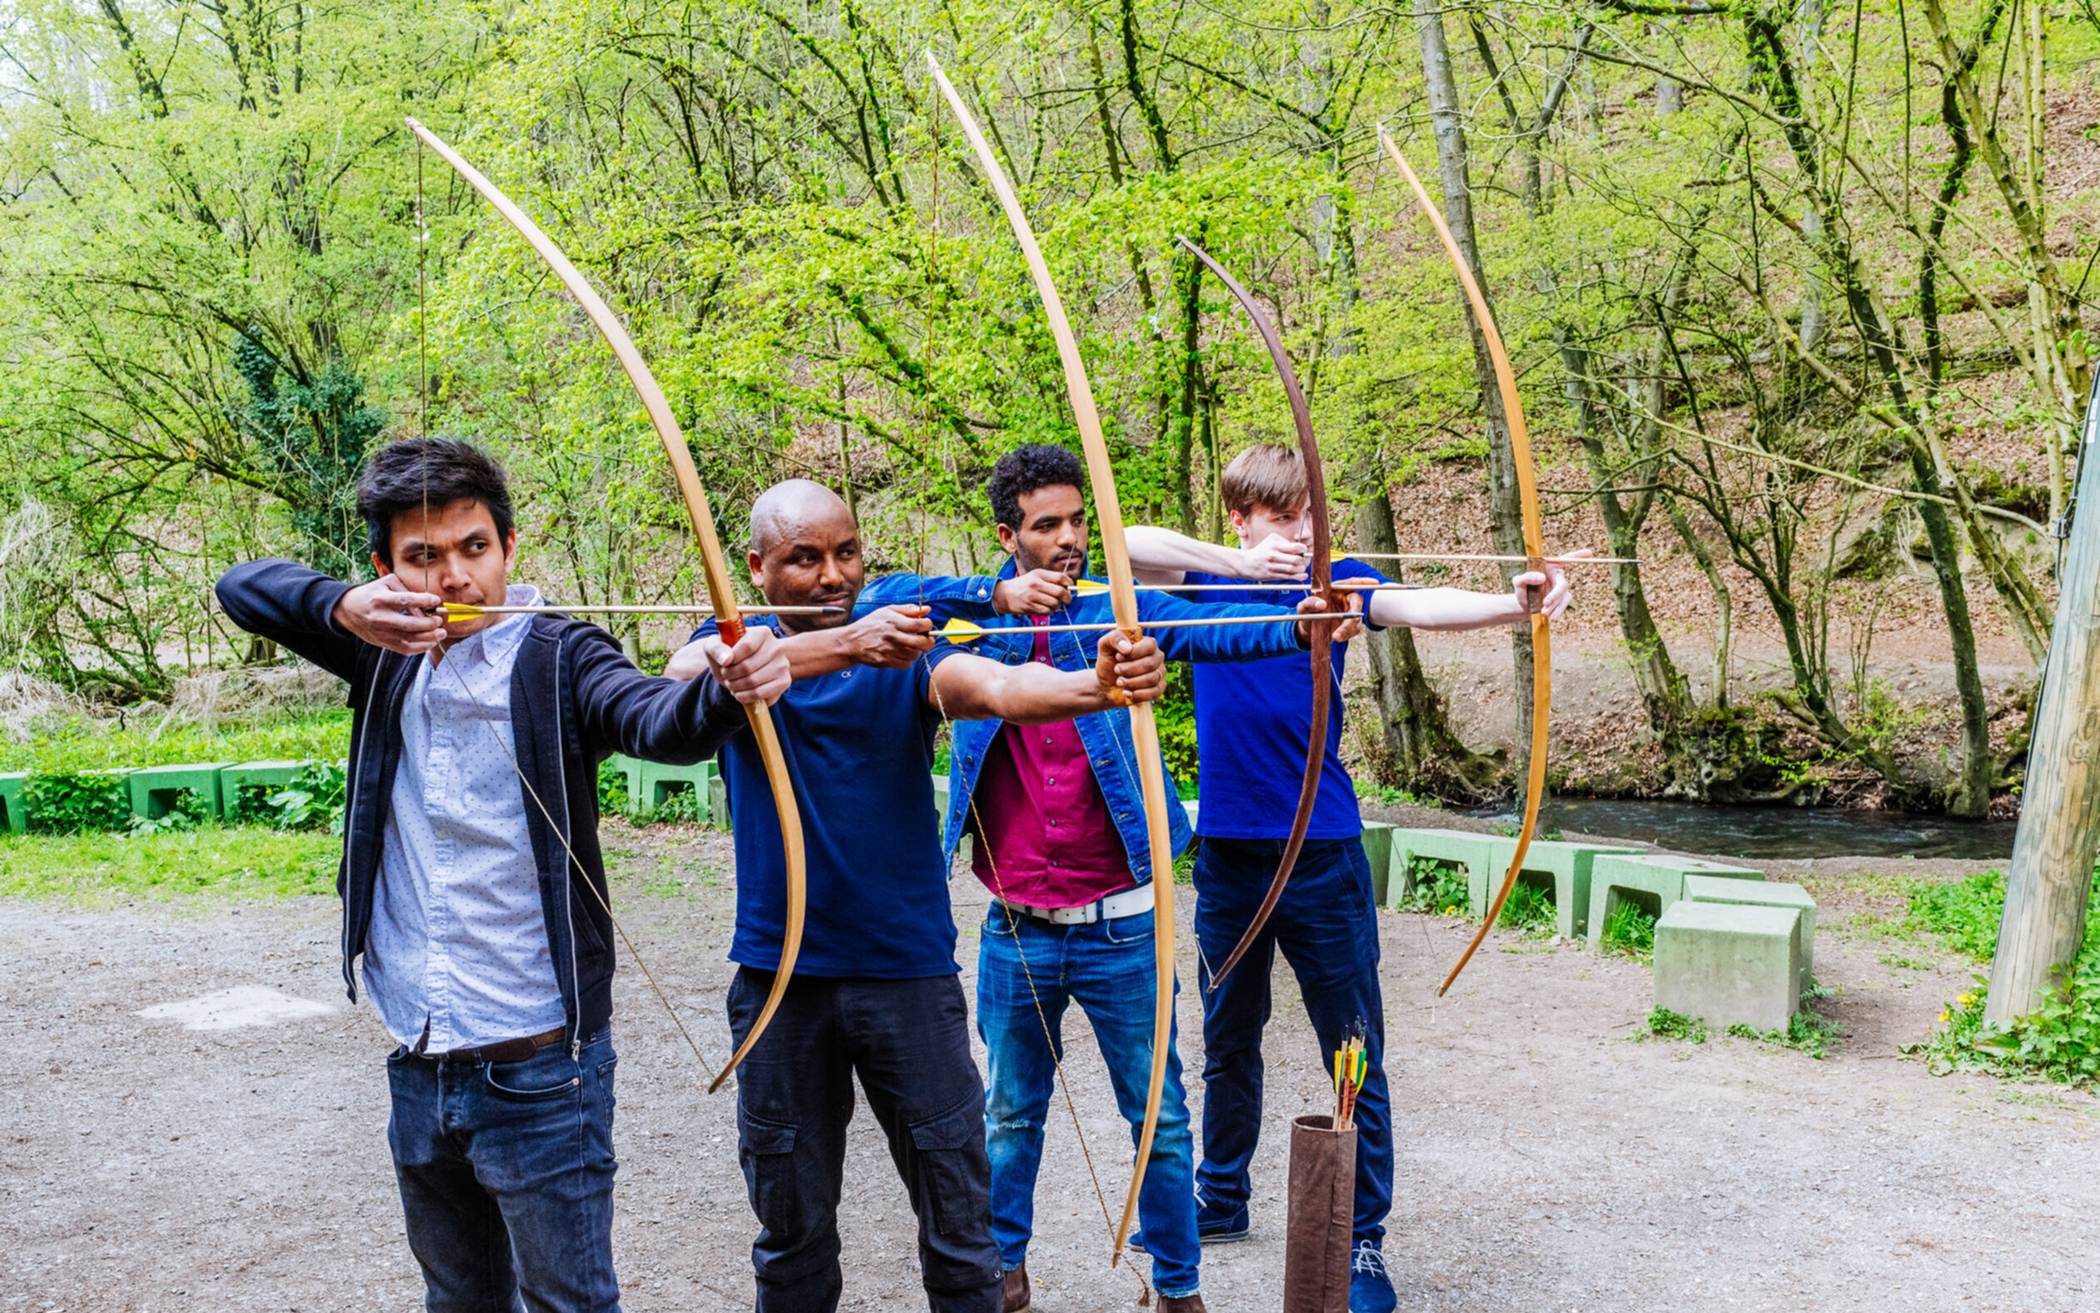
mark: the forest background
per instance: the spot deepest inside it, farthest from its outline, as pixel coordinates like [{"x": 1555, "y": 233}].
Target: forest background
[{"x": 1795, "y": 292}]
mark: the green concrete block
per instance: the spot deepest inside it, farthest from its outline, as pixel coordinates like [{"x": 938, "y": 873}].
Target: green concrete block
[
  {"x": 1729, "y": 964},
  {"x": 1550, "y": 863},
  {"x": 12, "y": 816},
  {"x": 272, "y": 775},
  {"x": 1378, "y": 851},
  {"x": 1655, "y": 877},
  {"x": 718, "y": 802},
  {"x": 154, "y": 789},
  {"x": 1762, "y": 893},
  {"x": 657, "y": 781},
  {"x": 1462, "y": 848},
  {"x": 630, "y": 770}
]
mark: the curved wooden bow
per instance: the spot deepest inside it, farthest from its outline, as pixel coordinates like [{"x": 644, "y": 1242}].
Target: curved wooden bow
[
  {"x": 714, "y": 563},
  {"x": 1534, "y": 546},
  {"x": 1144, "y": 731},
  {"x": 1322, "y": 580}
]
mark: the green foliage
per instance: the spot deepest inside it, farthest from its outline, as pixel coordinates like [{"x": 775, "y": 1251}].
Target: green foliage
[
  {"x": 1963, "y": 913},
  {"x": 2058, "y": 1041},
  {"x": 612, "y": 789},
  {"x": 1806, "y": 1032},
  {"x": 679, "y": 807},
  {"x": 1391, "y": 796},
  {"x": 75, "y": 803},
  {"x": 229, "y": 862},
  {"x": 77, "y": 744},
  {"x": 314, "y": 799},
  {"x": 1528, "y": 912},
  {"x": 1665, "y": 1024},
  {"x": 1176, "y": 714},
  {"x": 1436, "y": 887},
  {"x": 1629, "y": 929},
  {"x": 313, "y": 435},
  {"x": 185, "y": 812}
]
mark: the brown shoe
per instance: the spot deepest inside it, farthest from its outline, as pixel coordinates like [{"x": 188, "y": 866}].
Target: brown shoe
[
  {"x": 1181, "y": 1304},
  {"x": 1014, "y": 1288}
]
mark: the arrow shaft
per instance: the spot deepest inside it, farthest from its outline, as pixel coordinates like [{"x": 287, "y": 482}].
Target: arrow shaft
[
  {"x": 462, "y": 610},
  {"x": 1490, "y": 556},
  {"x": 1101, "y": 626}
]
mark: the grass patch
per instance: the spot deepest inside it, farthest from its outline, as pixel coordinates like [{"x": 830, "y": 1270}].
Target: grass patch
[
  {"x": 234, "y": 862},
  {"x": 1528, "y": 912},
  {"x": 1629, "y": 929},
  {"x": 1665, "y": 1024},
  {"x": 84, "y": 745},
  {"x": 1806, "y": 1033},
  {"x": 1389, "y": 796},
  {"x": 1902, "y": 963},
  {"x": 1963, "y": 914}
]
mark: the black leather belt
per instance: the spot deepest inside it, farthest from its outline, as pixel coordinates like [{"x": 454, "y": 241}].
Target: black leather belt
[{"x": 503, "y": 1050}]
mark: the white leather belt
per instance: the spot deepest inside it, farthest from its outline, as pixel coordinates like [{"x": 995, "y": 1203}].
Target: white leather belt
[{"x": 1114, "y": 907}]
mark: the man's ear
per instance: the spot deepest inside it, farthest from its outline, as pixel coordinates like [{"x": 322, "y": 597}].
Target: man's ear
[
  {"x": 381, "y": 567},
  {"x": 510, "y": 546},
  {"x": 756, "y": 564},
  {"x": 1238, "y": 520},
  {"x": 1008, "y": 539}
]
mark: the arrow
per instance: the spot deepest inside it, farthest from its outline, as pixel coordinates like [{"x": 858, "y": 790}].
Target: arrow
[
  {"x": 1484, "y": 556},
  {"x": 467, "y": 611},
  {"x": 1096, "y": 587},
  {"x": 962, "y": 631}
]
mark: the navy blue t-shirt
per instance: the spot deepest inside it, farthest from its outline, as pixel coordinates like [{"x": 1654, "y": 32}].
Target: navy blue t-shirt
[
  {"x": 1252, "y": 722},
  {"x": 859, "y": 749}
]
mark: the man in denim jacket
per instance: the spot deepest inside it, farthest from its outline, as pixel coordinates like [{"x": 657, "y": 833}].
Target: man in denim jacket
[{"x": 1062, "y": 846}]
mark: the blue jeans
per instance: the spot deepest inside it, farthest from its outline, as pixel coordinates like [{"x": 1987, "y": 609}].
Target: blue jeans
[
  {"x": 1327, "y": 926},
  {"x": 1107, "y": 969},
  {"x": 506, "y": 1176},
  {"x": 909, "y": 1042}
]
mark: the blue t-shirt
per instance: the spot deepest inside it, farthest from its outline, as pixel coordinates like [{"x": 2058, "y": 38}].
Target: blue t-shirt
[
  {"x": 859, "y": 749},
  {"x": 1252, "y": 722}
]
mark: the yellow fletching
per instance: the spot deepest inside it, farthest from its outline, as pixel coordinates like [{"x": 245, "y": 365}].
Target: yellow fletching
[
  {"x": 1089, "y": 587},
  {"x": 459, "y": 611},
  {"x": 961, "y": 631}
]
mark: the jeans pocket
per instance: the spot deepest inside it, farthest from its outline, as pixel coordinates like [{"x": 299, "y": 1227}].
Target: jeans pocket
[
  {"x": 535, "y": 1080},
  {"x": 954, "y": 1174},
  {"x": 1128, "y": 929},
  {"x": 767, "y": 1151},
  {"x": 1000, "y": 923}
]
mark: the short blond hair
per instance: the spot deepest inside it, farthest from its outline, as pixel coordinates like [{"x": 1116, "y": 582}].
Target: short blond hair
[{"x": 1267, "y": 476}]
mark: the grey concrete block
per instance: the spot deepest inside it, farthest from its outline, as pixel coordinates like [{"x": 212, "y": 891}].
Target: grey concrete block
[{"x": 1729, "y": 964}]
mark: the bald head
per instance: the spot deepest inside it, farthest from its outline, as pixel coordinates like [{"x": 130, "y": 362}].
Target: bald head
[
  {"x": 805, "y": 550},
  {"x": 791, "y": 505}
]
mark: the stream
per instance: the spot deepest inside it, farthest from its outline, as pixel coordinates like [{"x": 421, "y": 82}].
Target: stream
[{"x": 1772, "y": 832}]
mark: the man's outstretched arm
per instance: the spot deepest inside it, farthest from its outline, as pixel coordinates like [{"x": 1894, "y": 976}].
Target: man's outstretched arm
[{"x": 970, "y": 687}]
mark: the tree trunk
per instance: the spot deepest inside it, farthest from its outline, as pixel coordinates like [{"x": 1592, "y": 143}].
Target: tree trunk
[
  {"x": 2051, "y": 880},
  {"x": 1505, "y": 515}
]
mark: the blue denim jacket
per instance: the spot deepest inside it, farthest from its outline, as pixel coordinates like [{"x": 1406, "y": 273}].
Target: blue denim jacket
[{"x": 1105, "y": 734}]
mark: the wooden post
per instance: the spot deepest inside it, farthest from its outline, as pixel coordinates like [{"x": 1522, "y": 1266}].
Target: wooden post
[{"x": 2052, "y": 866}]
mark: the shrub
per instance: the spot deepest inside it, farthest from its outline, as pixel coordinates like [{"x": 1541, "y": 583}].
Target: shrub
[{"x": 76, "y": 803}]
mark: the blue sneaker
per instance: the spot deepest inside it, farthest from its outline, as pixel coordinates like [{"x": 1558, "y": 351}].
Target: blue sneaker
[
  {"x": 1220, "y": 1226},
  {"x": 1370, "y": 1285}
]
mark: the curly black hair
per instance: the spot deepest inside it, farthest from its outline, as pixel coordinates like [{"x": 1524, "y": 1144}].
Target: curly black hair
[
  {"x": 419, "y": 472},
  {"x": 1025, "y": 469}
]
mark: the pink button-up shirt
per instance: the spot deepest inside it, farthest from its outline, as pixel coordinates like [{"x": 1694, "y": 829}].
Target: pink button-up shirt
[{"x": 1044, "y": 835}]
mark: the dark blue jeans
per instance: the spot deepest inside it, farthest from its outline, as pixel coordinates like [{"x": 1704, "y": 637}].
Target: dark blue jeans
[
  {"x": 1107, "y": 969},
  {"x": 1327, "y": 926},
  {"x": 909, "y": 1042},
  {"x": 506, "y": 1175}
]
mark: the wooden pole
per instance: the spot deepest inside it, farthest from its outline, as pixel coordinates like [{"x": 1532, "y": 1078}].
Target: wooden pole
[{"x": 2052, "y": 867}]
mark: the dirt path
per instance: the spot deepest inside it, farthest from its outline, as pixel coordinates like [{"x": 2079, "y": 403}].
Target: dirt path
[{"x": 1548, "y": 1158}]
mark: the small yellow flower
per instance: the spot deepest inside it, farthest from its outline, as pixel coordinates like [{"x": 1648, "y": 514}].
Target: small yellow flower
[
  {"x": 1966, "y": 999},
  {"x": 1451, "y": 910},
  {"x": 1943, "y": 1017}
]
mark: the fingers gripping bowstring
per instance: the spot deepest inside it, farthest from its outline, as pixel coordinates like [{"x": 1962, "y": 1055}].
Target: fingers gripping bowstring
[{"x": 559, "y": 832}]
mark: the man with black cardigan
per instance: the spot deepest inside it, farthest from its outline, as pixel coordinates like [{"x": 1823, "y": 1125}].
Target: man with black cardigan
[{"x": 472, "y": 884}]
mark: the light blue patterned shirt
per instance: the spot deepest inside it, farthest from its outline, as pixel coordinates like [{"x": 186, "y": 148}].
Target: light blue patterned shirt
[{"x": 458, "y": 953}]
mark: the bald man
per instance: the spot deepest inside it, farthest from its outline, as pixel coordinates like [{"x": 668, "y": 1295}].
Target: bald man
[{"x": 874, "y": 992}]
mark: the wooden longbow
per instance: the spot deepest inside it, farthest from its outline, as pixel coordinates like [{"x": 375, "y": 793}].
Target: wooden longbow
[
  {"x": 1115, "y": 555},
  {"x": 1534, "y": 545},
  {"x": 715, "y": 566},
  {"x": 1322, "y": 638}
]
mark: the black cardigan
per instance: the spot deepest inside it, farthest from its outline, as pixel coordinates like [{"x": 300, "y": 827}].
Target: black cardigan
[{"x": 575, "y": 699}]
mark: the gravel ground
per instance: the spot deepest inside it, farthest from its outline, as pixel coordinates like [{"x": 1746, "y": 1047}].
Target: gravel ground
[{"x": 1549, "y": 1158}]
